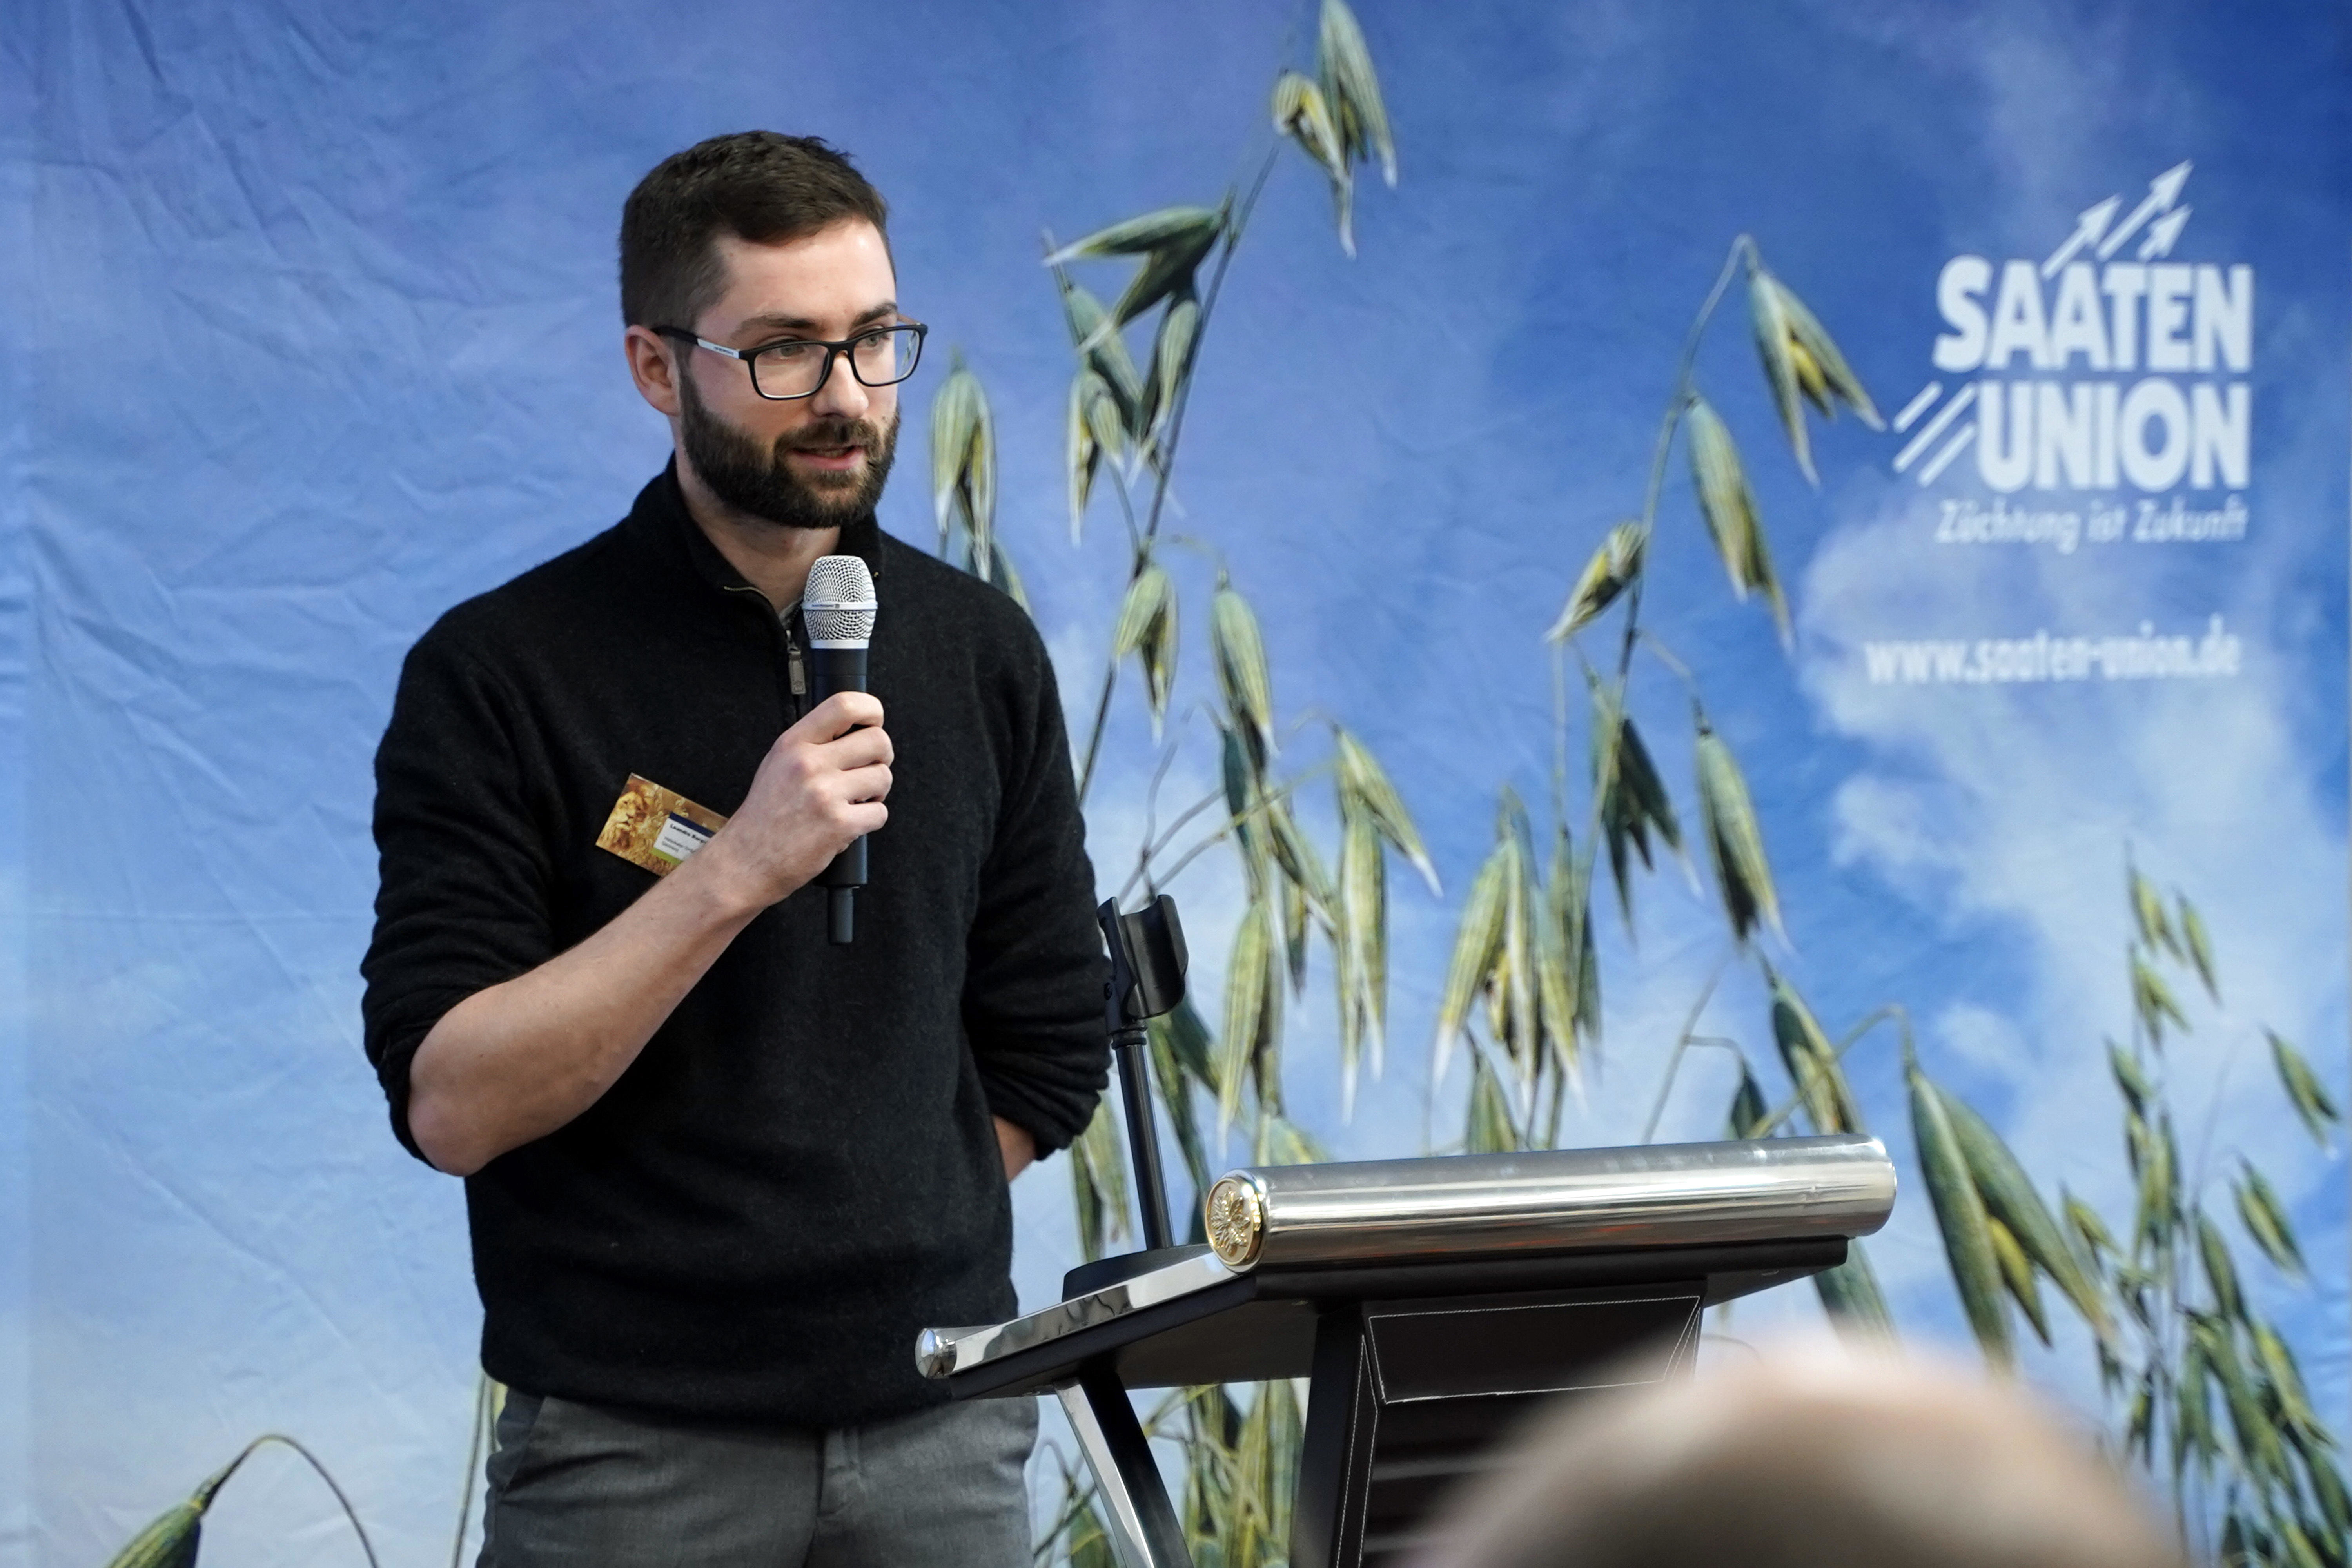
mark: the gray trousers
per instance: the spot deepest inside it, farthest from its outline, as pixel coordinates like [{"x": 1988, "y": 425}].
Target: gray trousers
[{"x": 589, "y": 1487}]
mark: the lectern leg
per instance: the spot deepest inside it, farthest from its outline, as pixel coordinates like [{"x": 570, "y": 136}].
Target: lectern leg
[
  {"x": 1334, "y": 1456},
  {"x": 1143, "y": 1523}
]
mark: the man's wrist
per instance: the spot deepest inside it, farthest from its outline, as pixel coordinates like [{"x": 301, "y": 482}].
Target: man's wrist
[{"x": 724, "y": 888}]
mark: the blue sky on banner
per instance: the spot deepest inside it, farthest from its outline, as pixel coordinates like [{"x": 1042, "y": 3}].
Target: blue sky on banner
[
  {"x": 15, "y": 1173},
  {"x": 327, "y": 343}
]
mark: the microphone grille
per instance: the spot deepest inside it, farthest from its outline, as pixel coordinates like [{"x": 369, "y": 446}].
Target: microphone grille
[{"x": 838, "y": 603}]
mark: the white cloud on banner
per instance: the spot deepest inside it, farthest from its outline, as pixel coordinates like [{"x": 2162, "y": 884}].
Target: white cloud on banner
[{"x": 2008, "y": 810}]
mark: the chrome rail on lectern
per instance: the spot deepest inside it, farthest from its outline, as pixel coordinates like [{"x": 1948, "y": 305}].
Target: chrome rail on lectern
[{"x": 1568, "y": 1259}]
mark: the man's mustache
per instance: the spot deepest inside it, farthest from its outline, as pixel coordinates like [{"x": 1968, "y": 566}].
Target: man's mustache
[{"x": 833, "y": 435}]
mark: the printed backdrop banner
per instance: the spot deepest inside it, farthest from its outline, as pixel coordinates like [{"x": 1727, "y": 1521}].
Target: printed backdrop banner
[{"x": 1991, "y": 734}]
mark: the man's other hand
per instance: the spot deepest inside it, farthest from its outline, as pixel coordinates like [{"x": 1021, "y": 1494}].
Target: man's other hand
[
  {"x": 821, "y": 785},
  {"x": 1020, "y": 1150}
]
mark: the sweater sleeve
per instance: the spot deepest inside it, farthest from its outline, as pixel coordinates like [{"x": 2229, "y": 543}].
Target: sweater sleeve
[
  {"x": 1033, "y": 987},
  {"x": 462, "y": 902}
]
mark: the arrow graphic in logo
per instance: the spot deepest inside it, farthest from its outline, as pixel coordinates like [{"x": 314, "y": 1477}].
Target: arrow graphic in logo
[
  {"x": 2162, "y": 192},
  {"x": 2088, "y": 227},
  {"x": 2163, "y": 232}
]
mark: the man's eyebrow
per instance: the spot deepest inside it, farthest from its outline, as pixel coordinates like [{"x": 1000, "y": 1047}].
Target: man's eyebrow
[{"x": 782, "y": 324}]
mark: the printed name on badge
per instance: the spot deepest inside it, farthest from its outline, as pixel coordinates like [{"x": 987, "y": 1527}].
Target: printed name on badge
[{"x": 656, "y": 827}]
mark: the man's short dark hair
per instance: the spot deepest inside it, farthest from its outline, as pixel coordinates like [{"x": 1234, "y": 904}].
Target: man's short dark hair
[{"x": 758, "y": 185}]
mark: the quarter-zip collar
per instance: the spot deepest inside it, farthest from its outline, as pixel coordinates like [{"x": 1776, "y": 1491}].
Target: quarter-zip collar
[{"x": 660, "y": 520}]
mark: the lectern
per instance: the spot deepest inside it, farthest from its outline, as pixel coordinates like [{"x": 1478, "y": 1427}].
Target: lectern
[{"x": 1432, "y": 1304}]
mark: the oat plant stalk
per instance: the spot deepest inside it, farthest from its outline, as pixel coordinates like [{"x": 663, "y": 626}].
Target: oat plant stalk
[{"x": 1218, "y": 1069}]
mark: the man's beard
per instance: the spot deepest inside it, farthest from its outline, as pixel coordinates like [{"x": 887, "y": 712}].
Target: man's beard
[{"x": 762, "y": 484}]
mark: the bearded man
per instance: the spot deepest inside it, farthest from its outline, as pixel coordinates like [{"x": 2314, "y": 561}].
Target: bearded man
[{"x": 719, "y": 1172}]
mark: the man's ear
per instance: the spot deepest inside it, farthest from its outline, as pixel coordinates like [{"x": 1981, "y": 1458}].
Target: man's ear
[{"x": 654, "y": 367}]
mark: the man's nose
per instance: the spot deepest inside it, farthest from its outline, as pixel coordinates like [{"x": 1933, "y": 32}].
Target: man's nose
[{"x": 843, "y": 396}]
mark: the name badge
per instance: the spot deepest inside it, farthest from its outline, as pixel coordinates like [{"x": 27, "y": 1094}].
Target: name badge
[{"x": 655, "y": 827}]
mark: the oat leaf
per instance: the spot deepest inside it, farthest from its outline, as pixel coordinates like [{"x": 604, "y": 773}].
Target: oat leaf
[
  {"x": 1749, "y": 1112},
  {"x": 1728, "y": 505},
  {"x": 1767, "y": 320},
  {"x": 1172, "y": 360},
  {"x": 1164, "y": 274},
  {"x": 1811, "y": 1061},
  {"x": 1302, "y": 113},
  {"x": 1364, "y": 782},
  {"x": 2257, "y": 1435},
  {"x": 1084, "y": 452},
  {"x": 2154, "y": 1002},
  {"x": 1147, "y": 629},
  {"x": 2286, "y": 1379},
  {"x": 1821, "y": 365},
  {"x": 2136, "y": 1090},
  {"x": 1353, "y": 90},
  {"x": 2221, "y": 1272},
  {"x": 1960, "y": 1216},
  {"x": 1245, "y": 998},
  {"x": 2017, "y": 1275},
  {"x": 1168, "y": 228},
  {"x": 1241, "y": 775},
  {"x": 1183, "y": 1056},
  {"x": 1851, "y": 1296},
  {"x": 2147, "y": 914},
  {"x": 1490, "y": 1130},
  {"x": 2266, "y": 1219},
  {"x": 2303, "y": 1087},
  {"x": 1735, "y": 842},
  {"x": 2011, "y": 1198},
  {"x": 2092, "y": 1240},
  {"x": 1556, "y": 975},
  {"x": 1611, "y": 571},
  {"x": 1294, "y": 853},
  {"x": 961, "y": 439},
  {"x": 1097, "y": 339},
  {"x": 1098, "y": 1182},
  {"x": 1298, "y": 924},
  {"x": 1363, "y": 947},
  {"x": 171, "y": 1541},
  {"x": 1002, "y": 573},
  {"x": 1571, "y": 896},
  {"x": 2200, "y": 949},
  {"x": 1631, "y": 797},
  {"x": 1515, "y": 981},
  {"x": 1478, "y": 942},
  {"x": 2335, "y": 1504},
  {"x": 1809, "y": 363},
  {"x": 1146, "y": 600},
  {"x": 1240, "y": 655},
  {"x": 2192, "y": 1428}
]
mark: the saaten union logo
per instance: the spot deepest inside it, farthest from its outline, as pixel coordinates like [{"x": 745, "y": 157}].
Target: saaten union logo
[{"x": 2103, "y": 370}]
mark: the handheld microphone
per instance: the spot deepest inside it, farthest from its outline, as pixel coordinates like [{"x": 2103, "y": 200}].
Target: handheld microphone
[{"x": 837, "y": 608}]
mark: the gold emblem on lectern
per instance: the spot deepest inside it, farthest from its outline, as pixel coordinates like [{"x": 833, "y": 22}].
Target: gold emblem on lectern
[{"x": 1237, "y": 1221}]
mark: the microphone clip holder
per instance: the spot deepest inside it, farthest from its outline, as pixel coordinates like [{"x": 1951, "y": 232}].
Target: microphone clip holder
[{"x": 1146, "y": 981}]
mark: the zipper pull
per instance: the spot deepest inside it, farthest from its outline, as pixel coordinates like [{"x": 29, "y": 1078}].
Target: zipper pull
[{"x": 796, "y": 672}]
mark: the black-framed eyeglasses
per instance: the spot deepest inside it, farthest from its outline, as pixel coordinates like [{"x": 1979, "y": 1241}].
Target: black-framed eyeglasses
[{"x": 797, "y": 367}]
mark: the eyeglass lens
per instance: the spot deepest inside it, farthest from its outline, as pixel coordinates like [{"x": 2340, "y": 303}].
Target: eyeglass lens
[{"x": 878, "y": 358}]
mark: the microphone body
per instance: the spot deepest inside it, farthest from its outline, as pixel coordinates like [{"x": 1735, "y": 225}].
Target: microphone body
[{"x": 837, "y": 608}]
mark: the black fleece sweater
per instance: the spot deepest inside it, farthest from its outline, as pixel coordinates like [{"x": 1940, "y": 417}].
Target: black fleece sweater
[{"x": 799, "y": 1171}]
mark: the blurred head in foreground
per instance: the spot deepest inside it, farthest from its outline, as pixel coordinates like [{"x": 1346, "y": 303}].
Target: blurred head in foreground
[{"x": 1813, "y": 1458}]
